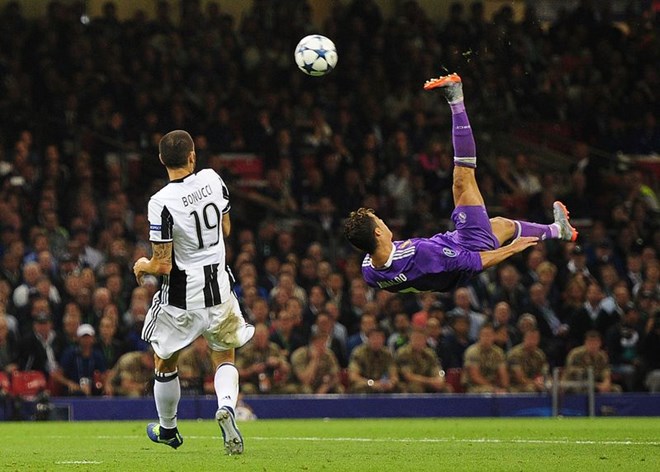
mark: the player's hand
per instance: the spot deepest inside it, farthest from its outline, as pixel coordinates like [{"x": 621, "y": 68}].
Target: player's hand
[
  {"x": 522, "y": 243},
  {"x": 138, "y": 269}
]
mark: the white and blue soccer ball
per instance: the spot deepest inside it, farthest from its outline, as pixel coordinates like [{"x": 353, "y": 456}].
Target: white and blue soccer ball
[{"x": 316, "y": 55}]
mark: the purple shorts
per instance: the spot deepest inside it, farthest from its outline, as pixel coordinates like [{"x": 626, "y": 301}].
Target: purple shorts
[{"x": 473, "y": 229}]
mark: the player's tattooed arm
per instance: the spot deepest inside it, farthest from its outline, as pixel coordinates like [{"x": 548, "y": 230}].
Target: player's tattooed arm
[
  {"x": 162, "y": 256},
  {"x": 159, "y": 264}
]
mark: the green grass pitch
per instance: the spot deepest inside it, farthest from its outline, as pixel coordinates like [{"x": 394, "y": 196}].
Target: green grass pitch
[{"x": 382, "y": 445}]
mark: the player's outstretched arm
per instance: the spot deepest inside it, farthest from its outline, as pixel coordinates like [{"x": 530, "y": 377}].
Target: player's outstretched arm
[
  {"x": 159, "y": 264},
  {"x": 494, "y": 257}
]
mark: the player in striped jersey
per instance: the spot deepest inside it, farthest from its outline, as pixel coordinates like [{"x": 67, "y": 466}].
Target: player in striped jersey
[
  {"x": 189, "y": 219},
  {"x": 446, "y": 260}
]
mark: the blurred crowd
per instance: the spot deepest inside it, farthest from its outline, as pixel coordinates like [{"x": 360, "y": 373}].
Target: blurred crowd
[{"x": 84, "y": 102}]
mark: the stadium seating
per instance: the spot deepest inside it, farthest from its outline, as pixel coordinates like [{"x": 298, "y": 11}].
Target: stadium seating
[
  {"x": 27, "y": 384},
  {"x": 4, "y": 382},
  {"x": 453, "y": 378}
]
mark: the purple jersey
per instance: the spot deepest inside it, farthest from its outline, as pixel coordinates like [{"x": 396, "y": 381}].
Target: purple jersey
[{"x": 439, "y": 263}]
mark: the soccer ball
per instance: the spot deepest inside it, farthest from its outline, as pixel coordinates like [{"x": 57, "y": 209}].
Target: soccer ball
[{"x": 316, "y": 55}]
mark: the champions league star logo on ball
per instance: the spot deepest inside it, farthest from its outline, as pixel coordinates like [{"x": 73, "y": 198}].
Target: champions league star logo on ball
[{"x": 316, "y": 55}]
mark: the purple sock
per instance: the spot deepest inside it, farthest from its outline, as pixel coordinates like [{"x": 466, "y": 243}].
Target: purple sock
[
  {"x": 524, "y": 228},
  {"x": 465, "y": 150}
]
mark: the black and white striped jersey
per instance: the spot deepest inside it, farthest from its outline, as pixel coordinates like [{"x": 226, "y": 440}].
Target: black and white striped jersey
[{"x": 188, "y": 212}]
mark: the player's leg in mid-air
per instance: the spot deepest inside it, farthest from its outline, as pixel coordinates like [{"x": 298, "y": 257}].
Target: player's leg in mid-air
[{"x": 468, "y": 200}]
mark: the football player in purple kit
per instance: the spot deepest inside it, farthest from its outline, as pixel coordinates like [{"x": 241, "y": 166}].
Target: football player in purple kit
[{"x": 446, "y": 260}]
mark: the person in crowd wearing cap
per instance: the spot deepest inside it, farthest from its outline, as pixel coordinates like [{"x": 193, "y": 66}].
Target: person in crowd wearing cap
[{"x": 83, "y": 366}]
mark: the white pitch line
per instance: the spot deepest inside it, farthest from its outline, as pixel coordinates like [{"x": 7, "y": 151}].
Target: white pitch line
[
  {"x": 77, "y": 462},
  {"x": 464, "y": 440},
  {"x": 604, "y": 442}
]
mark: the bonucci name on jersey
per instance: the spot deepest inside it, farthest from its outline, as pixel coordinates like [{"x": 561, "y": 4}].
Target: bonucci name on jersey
[{"x": 188, "y": 212}]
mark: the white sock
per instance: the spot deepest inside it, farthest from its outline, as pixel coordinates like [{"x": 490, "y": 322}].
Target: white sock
[
  {"x": 167, "y": 393},
  {"x": 226, "y": 385}
]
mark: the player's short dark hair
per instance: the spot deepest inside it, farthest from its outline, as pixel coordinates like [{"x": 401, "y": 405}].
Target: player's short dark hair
[
  {"x": 359, "y": 230},
  {"x": 175, "y": 147}
]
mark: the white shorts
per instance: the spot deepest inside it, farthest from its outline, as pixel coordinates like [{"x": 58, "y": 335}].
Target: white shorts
[{"x": 169, "y": 329}]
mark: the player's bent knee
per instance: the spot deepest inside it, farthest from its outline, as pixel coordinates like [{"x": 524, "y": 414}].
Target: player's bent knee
[
  {"x": 503, "y": 226},
  {"x": 165, "y": 365}
]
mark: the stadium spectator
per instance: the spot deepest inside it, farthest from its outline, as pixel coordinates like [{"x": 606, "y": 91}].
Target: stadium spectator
[
  {"x": 83, "y": 366},
  {"x": 132, "y": 375},
  {"x": 419, "y": 367},
  {"x": 372, "y": 367},
  {"x": 196, "y": 369},
  {"x": 7, "y": 346},
  {"x": 590, "y": 316},
  {"x": 528, "y": 367},
  {"x": 316, "y": 368},
  {"x": 367, "y": 323},
  {"x": 502, "y": 317},
  {"x": 38, "y": 350},
  {"x": 71, "y": 321},
  {"x": 484, "y": 369},
  {"x": 590, "y": 355},
  {"x": 457, "y": 342},
  {"x": 553, "y": 330},
  {"x": 650, "y": 353},
  {"x": 110, "y": 346},
  {"x": 326, "y": 325},
  {"x": 284, "y": 335},
  {"x": 622, "y": 343},
  {"x": 261, "y": 365},
  {"x": 401, "y": 334},
  {"x": 463, "y": 308}
]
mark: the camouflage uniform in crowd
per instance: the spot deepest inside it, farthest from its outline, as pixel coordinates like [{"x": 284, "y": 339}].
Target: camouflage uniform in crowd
[
  {"x": 272, "y": 381},
  {"x": 487, "y": 362},
  {"x": 424, "y": 362},
  {"x": 328, "y": 369},
  {"x": 131, "y": 368},
  {"x": 371, "y": 365},
  {"x": 577, "y": 362},
  {"x": 195, "y": 371},
  {"x": 533, "y": 365}
]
